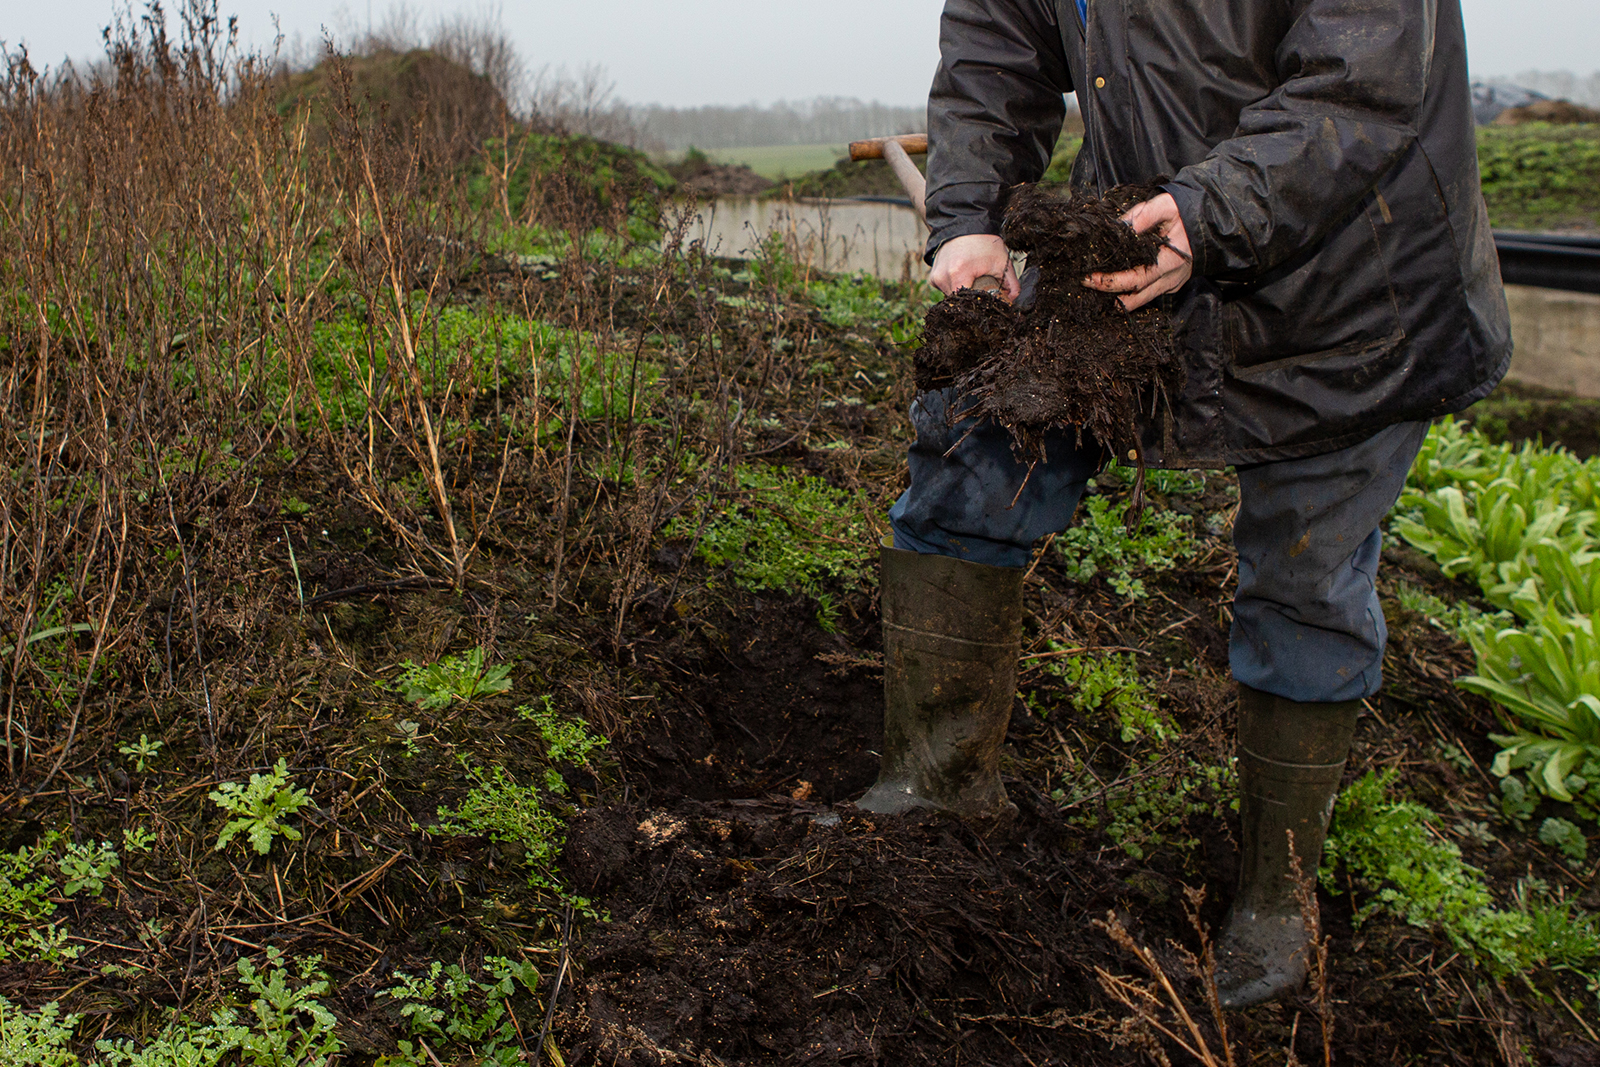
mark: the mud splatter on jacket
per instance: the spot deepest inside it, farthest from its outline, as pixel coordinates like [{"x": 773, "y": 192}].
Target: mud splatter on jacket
[{"x": 1322, "y": 156}]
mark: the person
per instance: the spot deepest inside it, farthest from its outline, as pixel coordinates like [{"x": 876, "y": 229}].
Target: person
[{"x": 1332, "y": 286}]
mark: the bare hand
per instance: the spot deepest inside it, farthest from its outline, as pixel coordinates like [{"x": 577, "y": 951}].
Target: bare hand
[
  {"x": 1173, "y": 264},
  {"x": 961, "y": 261}
]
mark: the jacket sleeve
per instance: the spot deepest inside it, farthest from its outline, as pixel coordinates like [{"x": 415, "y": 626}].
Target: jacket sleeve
[
  {"x": 994, "y": 111},
  {"x": 1353, "y": 73}
]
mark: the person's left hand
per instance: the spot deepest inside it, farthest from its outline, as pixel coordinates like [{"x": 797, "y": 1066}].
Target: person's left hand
[{"x": 1173, "y": 263}]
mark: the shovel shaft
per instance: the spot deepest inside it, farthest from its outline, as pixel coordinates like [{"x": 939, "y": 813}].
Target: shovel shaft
[{"x": 894, "y": 150}]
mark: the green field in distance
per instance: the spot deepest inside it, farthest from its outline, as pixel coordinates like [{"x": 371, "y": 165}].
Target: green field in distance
[{"x": 780, "y": 161}]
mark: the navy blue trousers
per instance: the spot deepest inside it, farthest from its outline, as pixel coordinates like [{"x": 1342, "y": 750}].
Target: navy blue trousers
[{"x": 1306, "y": 620}]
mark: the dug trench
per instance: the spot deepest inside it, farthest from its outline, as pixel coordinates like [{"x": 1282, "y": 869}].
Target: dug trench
[{"x": 756, "y": 916}]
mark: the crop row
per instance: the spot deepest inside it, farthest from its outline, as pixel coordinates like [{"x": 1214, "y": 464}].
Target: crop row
[{"x": 1524, "y": 524}]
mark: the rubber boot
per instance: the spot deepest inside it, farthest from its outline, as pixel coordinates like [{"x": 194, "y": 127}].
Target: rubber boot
[
  {"x": 952, "y": 632},
  {"x": 1291, "y": 756}
]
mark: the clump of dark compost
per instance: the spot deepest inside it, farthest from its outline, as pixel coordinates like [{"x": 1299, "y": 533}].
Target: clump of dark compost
[{"x": 1073, "y": 360}]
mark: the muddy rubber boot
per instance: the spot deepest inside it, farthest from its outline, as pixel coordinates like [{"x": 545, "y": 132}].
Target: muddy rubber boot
[
  {"x": 1291, "y": 756},
  {"x": 952, "y": 632}
]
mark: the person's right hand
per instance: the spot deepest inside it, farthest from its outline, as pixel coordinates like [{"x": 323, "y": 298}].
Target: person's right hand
[{"x": 961, "y": 261}]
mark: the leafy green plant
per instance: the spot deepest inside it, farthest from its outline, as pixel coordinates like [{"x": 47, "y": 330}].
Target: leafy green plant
[
  {"x": 566, "y": 740},
  {"x": 259, "y": 808},
  {"x": 1517, "y": 802},
  {"x": 284, "y": 1025},
  {"x": 1111, "y": 684},
  {"x": 457, "y": 679},
  {"x": 1146, "y": 808},
  {"x": 858, "y": 300},
  {"x": 1417, "y": 876},
  {"x": 1491, "y": 539},
  {"x": 1537, "y": 175},
  {"x": 503, "y": 810},
  {"x": 37, "y": 1039},
  {"x": 1459, "y": 617},
  {"x": 1560, "y": 935},
  {"x": 1549, "y": 676},
  {"x": 143, "y": 751},
  {"x": 26, "y": 889},
  {"x": 1100, "y": 542},
  {"x": 86, "y": 868},
  {"x": 1175, "y": 482},
  {"x": 786, "y": 533},
  {"x": 1421, "y": 878},
  {"x": 1522, "y": 524},
  {"x": 457, "y": 1010},
  {"x": 1565, "y": 836},
  {"x": 137, "y": 839}
]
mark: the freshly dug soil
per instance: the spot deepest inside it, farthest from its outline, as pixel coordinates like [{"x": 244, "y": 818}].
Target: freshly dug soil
[
  {"x": 719, "y": 179},
  {"x": 1070, "y": 360}
]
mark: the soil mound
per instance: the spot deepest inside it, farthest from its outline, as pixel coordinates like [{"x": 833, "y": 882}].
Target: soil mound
[
  {"x": 1070, "y": 360},
  {"x": 699, "y": 174},
  {"x": 1559, "y": 112},
  {"x": 848, "y": 178}
]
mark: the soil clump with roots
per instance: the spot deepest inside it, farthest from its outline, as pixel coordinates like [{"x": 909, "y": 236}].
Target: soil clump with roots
[{"x": 1070, "y": 358}]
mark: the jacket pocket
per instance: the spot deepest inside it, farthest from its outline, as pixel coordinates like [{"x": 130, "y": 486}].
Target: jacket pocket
[
  {"x": 1346, "y": 359},
  {"x": 1336, "y": 298}
]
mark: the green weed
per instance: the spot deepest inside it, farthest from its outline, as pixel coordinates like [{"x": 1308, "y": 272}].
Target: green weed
[
  {"x": 1111, "y": 684},
  {"x": 143, "y": 752},
  {"x": 457, "y": 679},
  {"x": 1146, "y": 808},
  {"x": 284, "y": 1025},
  {"x": 39, "y": 1039},
  {"x": 32, "y": 879},
  {"x": 1458, "y": 618},
  {"x": 861, "y": 301},
  {"x": 786, "y": 533},
  {"x": 85, "y": 868},
  {"x": 1517, "y": 801},
  {"x": 506, "y": 811},
  {"x": 1160, "y": 789},
  {"x": 1537, "y": 175},
  {"x": 1099, "y": 542},
  {"x": 456, "y": 1010},
  {"x": 1421, "y": 878},
  {"x": 259, "y": 808},
  {"x": 566, "y": 740},
  {"x": 1566, "y": 837}
]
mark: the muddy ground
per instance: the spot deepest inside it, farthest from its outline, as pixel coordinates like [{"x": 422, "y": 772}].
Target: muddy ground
[{"x": 743, "y": 912}]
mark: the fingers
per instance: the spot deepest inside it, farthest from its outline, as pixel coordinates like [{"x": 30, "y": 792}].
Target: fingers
[
  {"x": 1144, "y": 284},
  {"x": 1124, "y": 281},
  {"x": 1158, "y": 214}
]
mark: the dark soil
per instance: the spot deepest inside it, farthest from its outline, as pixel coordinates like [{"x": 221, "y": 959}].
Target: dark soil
[
  {"x": 1070, "y": 360},
  {"x": 700, "y": 175}
]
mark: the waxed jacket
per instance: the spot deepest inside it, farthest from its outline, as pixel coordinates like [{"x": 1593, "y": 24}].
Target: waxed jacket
[{"x": 1322, "y": 156}]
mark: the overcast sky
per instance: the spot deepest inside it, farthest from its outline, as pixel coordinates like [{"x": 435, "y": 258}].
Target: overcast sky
[{"x": 736, "y": 51}]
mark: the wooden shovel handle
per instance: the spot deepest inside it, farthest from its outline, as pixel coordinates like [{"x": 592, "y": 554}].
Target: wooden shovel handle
[{"x": 913, "y": 143}]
